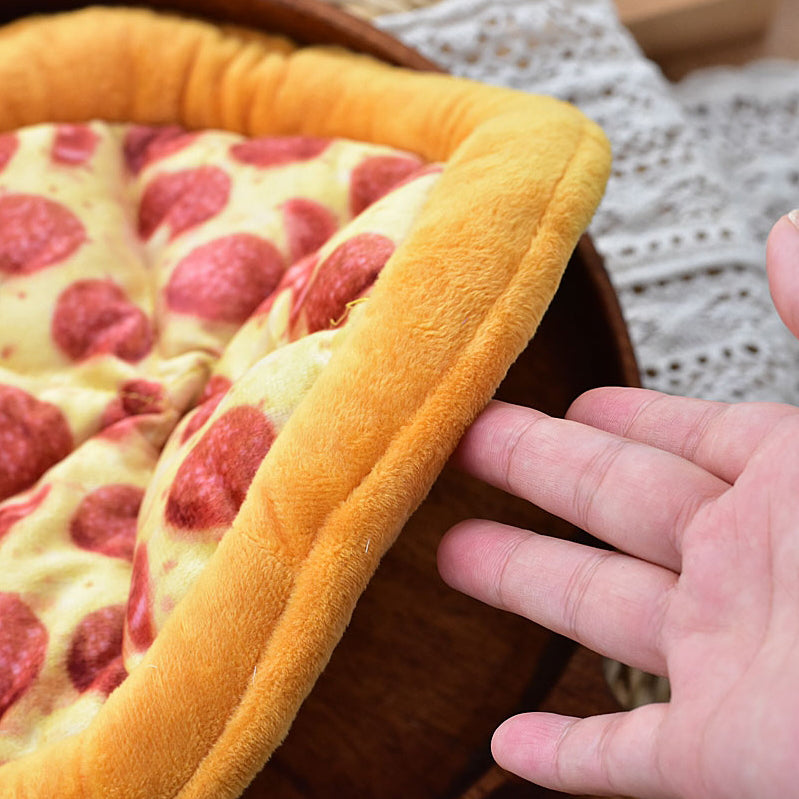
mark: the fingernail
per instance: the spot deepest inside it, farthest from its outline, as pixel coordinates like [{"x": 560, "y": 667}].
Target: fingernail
[{"x": 794, "y": 217}]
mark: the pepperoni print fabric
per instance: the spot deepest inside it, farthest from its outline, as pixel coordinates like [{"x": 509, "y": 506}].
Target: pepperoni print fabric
[
  {"x": 182, "y": 200},
  {"x": 343, "y": 277},
  {"x": 277, "y": 151},
  {"x": 143, "y": 144},
  {"x": 375, "y": 177},
  {"x": 323, "y": 290},
  {"x": 8, "y": 146},
  {"x": 23, "y": 643},
  {"x": 93, "y": 317},
  {"x": 212, "y": 481},
  {"x": 33, "y": 436},
  {"x": 73, "y": 144},
  {"x": 167, "y": 299},
  {"x": 309, "y": 225},
  {"x": 68, "y": 637},
  {"x": 13, "y": 512},
  {"x": 94, "y": 659},
  {"x": 225, "y": 279},
  {"x": 36, "y": 232},
  {"x": 105, "y": 520}
]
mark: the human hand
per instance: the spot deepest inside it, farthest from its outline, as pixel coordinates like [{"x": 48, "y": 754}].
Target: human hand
[{"x": 702, "y": 501}]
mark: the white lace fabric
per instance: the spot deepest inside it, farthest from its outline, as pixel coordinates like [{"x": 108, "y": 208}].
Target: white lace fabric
[{"x": 701, "y": 171}]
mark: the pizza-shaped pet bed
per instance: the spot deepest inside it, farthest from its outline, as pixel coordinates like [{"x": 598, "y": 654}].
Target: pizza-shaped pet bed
[{"x": 250, "y": 297}]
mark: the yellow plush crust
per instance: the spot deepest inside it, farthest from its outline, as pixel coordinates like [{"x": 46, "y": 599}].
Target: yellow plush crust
[{"x": 460, "y": 298}]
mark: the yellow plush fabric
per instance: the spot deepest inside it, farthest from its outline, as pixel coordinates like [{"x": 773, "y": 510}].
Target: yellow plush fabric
[
  {"x": 218, "y": 689},
  {"x": 171, "y": 337}
]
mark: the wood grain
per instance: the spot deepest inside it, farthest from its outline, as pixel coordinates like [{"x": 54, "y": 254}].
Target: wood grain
[
  {"x": 780, "y": 39},
  {"x": 667, "y": 26}
]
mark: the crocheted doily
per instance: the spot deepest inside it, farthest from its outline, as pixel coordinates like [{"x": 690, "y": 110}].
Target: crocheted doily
[{"x": 702, "y": 170}]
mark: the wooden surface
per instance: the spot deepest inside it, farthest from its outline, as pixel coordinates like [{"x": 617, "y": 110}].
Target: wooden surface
[
  {"x": 779, "y": 40},
  {"x": 667, "y": 26}
]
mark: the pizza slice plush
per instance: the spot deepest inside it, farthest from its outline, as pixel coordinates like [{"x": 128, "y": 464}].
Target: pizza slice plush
[{"x": 241, "y": 329}]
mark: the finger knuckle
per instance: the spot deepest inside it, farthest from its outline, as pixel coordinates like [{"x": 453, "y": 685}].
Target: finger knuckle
[
  {"x": 578, "y": 591},
  {"x": 502, "y": 578},
  {"x": 589, "y": 489}
]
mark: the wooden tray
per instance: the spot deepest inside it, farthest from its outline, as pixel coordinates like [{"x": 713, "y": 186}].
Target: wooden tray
[
  {"x": 662, "y": 27},
  {"x": 423, "y": 675}
]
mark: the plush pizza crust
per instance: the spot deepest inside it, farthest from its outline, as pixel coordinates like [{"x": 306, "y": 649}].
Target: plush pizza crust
[{"x": 457, "y": 302}]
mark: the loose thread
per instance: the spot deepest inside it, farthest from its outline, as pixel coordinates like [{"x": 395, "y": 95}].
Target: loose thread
[{"x": 347, "y": 308}]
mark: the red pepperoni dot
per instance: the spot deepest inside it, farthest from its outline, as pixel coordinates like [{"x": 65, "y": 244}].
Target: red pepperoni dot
[
  {"x": 308, "y": 224},
  {"x": 144, "y": 144},
  {"x": 36, "y": 232},
  {"x": 33, "y": 436},
  {"x": 212, "y": 481},
  {"x": 11, "y": 514},
  {"x": 374, "y": 177},
  {"x": 96, "y": 644},
  {"x": 200, "y": 416},
  {"x": 23, "y": 645},
  {"x": 120, "y": 430},
  {"x": 8, "y": 146},
  {"x": 225, "y": 279},
  {"x": 93, "y": 317},
  {"x": 214, "y": 390},
  {"x": 278, "y": 151},
  {"x": 295, "y": 279},
  {"x": 299, "y": 275},
  {"x": 346, "y": 274},
  {"x": 136, "y": 397},
  {"x": 217, "y": 386},
  {"x": 74, "y": 144},
  {"x": 140, "y": 628},
  {"x": 183, "y": 199},
  {"x": 111, "y": 677},
  {"x": 105, "y": 520}
]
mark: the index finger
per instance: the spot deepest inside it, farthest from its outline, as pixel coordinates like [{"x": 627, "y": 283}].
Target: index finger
[{"x": 633, "y": 496}]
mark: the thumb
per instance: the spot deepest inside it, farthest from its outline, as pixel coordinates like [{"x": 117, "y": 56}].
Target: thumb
[{"x": 782, "y": 264}]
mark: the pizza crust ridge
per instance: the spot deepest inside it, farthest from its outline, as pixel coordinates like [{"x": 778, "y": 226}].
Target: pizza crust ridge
[{"x": 459, "y": 300}]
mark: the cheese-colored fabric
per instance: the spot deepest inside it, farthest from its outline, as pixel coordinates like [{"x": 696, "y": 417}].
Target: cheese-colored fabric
[
  {"x": 218, "y": 688},
  {"x": 121, "y": 332}
]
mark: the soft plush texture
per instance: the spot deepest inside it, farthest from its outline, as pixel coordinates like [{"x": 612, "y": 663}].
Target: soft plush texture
[
  {"x": 169, "y": 298},
  {"x": 457, "y": 302}
]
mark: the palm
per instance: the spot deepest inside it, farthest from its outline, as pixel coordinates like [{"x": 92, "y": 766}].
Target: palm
[
  {"x": 701, "y": 501},
  {"x": 729, "y": 635}
]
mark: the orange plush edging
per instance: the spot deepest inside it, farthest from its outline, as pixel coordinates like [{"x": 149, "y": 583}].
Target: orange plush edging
[{"x": 458, "y": 301}]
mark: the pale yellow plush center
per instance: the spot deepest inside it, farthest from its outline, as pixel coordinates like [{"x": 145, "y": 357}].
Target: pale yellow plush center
[{"x": 167, "y": 299}]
